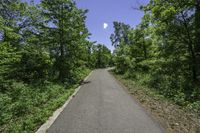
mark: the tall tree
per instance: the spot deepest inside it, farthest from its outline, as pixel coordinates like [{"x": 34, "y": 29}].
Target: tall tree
[{"x": 66, "y": 27}]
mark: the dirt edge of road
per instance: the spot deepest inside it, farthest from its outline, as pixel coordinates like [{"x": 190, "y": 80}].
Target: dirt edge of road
[{"x": 172, "y": 117}]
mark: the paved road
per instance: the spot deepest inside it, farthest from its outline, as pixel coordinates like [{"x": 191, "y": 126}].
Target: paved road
[{"x": 103, "y": 106}]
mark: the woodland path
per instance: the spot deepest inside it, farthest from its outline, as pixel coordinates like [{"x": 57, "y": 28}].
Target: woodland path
[{"x": 103, "y": 106}]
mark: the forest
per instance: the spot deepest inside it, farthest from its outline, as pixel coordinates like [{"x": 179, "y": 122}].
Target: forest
[
  {"x": 44, "y": 54},
  {"x": 163, "y": 51}
]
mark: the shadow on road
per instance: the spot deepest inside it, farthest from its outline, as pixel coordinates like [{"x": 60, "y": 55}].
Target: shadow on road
[{"x": 84, "y": 82}]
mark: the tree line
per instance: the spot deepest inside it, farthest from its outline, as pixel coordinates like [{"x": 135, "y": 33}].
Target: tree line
[
  {"x": 46, "y": 41},
  {"x": 44, "y": 50},
  {"x": 163, "y": 51}
]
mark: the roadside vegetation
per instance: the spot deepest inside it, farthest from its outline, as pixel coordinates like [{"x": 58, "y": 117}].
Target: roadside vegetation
[
  {"x": 44, "y": 55},
  {"x": 162, "y": 53},
  {"x": 172, "y": 117}
]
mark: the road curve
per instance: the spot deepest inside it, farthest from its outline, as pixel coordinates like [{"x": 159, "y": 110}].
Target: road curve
[{"x": 103, "y": 106}]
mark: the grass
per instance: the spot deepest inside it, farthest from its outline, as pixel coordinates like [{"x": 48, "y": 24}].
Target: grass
[
  {"x": 175, "y": 91},
  {"x": 137, "y": 88},
  {"x": 24, "y": 108}
]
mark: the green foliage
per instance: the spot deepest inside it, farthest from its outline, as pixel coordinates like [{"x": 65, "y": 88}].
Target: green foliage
[
  {"x": 66, "y": 36},
  {"x": 162, "y": 52},
  {"x": 9, "y": 56},
  {"x": 24, "y": 101},
  {"x": 102, "y": 56},
  {"x": 25, "y": 107},
  {"x": 35, "y": 64},
  {"x": 44, "y": 54}
]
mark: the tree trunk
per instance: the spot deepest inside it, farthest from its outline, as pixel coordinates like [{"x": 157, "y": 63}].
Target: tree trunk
[
  {"x": 191, "y": 50},
  {"x": 197, "y": 34},
  {"x": 61, "y": 63},
  {"x": 197, "y": 24}
]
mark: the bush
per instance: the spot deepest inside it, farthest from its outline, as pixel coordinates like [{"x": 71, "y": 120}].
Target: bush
[
  {"x": 26, "y": 106},
  {"x": 5, "y": 113},
  {"x": 23, "y": 103},
  {"x": 34, "y": 65},
  {"x": 194, "y": 106},
  {"x": 180, "y": 98}
]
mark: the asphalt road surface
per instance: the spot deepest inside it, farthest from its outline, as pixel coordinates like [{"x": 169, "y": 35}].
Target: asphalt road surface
[{"x": 103, "y": 106}]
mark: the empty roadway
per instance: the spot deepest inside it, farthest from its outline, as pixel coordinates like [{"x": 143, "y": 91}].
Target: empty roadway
[{"x": 103, "y": 106}]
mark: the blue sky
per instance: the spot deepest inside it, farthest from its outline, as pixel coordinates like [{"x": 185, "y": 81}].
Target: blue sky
[{"x": 102, "y": 13}]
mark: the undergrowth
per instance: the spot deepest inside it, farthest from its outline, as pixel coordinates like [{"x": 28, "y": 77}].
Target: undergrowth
[{"x": 24, "y": 107}]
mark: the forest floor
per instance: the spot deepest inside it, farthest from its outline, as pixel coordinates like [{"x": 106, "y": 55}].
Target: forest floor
[{"x": 174, "y": 118}]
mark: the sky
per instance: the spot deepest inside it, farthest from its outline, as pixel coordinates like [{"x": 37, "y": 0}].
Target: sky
[{"x": 102, "y": 14}]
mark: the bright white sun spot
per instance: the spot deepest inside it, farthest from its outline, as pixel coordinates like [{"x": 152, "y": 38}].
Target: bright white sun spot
[{"x": 105, "y": 25}]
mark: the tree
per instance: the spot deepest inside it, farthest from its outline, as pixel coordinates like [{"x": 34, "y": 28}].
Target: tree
[
  {"x": 102, "y": 56},
  {"x": 66, "y": 27},
  {"x": 164, "y": 47},
  {"x": 120, "y": 35},
  {"x": 175, "y": 18}
]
